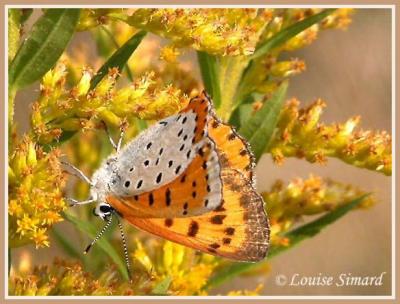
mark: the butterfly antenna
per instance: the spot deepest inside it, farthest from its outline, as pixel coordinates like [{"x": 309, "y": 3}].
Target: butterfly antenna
[
  {"x": 104, "y": 229},
  {"x": 128, "y": 265}
]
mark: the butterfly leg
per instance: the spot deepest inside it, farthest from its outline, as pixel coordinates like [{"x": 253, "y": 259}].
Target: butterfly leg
[{"x": 78, "y": 173}]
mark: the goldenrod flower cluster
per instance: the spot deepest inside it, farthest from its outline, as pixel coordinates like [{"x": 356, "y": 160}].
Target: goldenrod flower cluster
[
  {"x": 282, "y": 18},
  {"x": 67, "y": 278},
  {"x": 300, "y": 134},
  {"x": 215, "y": 31},
  {"x": 187, "y": 270},
  {"x": 267, "y": 74},
  {"x": 59, "y": 109},
  {"x": 35, "y": 193},
  {"x": 246, "y": 292},
  {"x": 159, "y": 268},
  {"x": 288, "y": 204}
]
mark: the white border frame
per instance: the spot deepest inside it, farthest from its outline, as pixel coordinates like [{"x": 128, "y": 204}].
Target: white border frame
[{"x": 393, "y": 210}]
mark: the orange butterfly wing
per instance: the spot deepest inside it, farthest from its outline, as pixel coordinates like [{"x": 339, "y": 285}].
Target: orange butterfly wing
[
  {"x": 233, "y": 150},
  {"x": 237, "y": 230},
  {"x": 195, "y": 191}
]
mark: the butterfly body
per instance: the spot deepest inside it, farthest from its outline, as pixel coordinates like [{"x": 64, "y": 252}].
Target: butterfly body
[{"x": 188, "y": 178}]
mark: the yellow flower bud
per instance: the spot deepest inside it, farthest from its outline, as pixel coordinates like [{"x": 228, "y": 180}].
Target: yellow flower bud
[
  {"x": 301, "y": 135},
  {"x": 31, "y": 155},
  {"x": 287, "y": 205},
  {"x": 83, "y": 86},
  {"x": 36, "y": 199}
]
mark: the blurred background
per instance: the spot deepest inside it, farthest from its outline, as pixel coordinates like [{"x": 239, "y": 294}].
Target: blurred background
[{"x": 351, "y": 71}]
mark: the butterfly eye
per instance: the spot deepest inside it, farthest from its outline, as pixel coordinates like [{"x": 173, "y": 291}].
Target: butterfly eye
[{"x": 105, "y": 208}]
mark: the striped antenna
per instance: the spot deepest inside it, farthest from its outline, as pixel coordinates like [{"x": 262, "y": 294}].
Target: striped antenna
[
  {"x": 128, "y": 266},
  {"x": 104, "y": 229}
]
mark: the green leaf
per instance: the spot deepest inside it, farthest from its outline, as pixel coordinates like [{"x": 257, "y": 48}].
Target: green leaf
[
  {"x": 241, "y": 115},
  {"x": 14, "y": 26},
  {"x": 289, "y": 32},
  {"x": 103, "y": 243},
  {"x": 210, "y": 75},
  {"x": 295, "y": 236},
  {"x": 66, "y": 244},
  {"x": 313, "y": 228},
  {"x": 259, "y": 128},
  {"x": 104, "y": 44},
  {"x": 119, "y": 58},
  {"x": 162, "y": 287},
  {"x": 43, "y": 47}
]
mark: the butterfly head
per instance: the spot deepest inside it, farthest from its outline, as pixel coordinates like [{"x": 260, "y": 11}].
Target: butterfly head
[{"x": 103, "y": 210}]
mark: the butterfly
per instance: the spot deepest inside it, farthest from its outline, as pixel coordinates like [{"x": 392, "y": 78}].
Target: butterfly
[{"x": 189, "y": 179}]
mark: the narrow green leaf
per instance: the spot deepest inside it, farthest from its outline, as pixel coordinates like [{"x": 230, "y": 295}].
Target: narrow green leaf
[
  {"x": 101, "y": 45},
  {"x": 241, "y": 115},
  {"x": 284, "y": 35},
  {"x": 44, "y": 45},
  {"x": 162, "y": 287},
  {"x": 14, "y": 26},
  {"x": 210, "y": 75},
  {"x": 66, "y": 244},
  {"x": 103, "y": 243},
  {"x": 119, "y": 58},
  {"x": 295, "y": 236},
  {"x": 313, "y": 228},
  {"x": 259, "y": 128}
]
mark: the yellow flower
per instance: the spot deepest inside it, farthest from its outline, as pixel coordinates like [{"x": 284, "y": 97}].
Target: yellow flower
[
  {"x": 90, "y": 18},
  {"x": 62, "y": 277},
  {"x": 40, "y": 237},
  {"x": 169, "y": 54},
  {"x": 299, "y": 134},
  {"x": 339, "y": 19},
  {"x": 286, "y": 205},
  {"x": 246, "y": 292},
  {"x": 188, "y": 271},
  {"x": 35, "y": 193},
  {"x": 59, "y": 109},
  {"x": 215, "y": 31}
]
